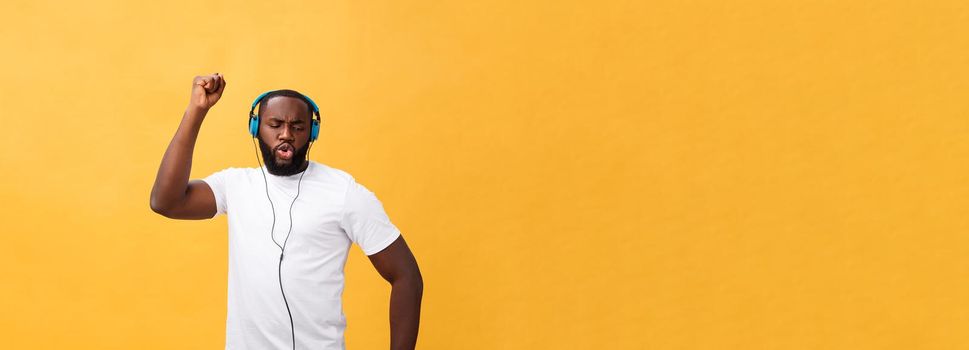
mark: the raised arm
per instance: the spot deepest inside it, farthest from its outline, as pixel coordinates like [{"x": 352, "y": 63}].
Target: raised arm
[
  {"x": 397, "y": 265},
  {"x": 173, "y": 195}
]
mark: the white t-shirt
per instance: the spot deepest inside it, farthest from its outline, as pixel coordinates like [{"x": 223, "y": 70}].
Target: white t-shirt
[{"x": 332, "y": 212}]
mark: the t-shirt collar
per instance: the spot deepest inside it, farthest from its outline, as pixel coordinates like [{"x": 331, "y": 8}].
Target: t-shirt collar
[{"x": 289, "y": 178}]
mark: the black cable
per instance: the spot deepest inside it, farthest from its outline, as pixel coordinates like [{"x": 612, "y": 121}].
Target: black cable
[
  {"x": 282, "y": 248},
  {"x": 292, "y": 327},
  {"x": 286, "y": 240},
  {"x": 264, "y": 181}
]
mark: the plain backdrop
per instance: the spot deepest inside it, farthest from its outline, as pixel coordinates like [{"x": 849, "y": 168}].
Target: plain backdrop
[{"x": 570, "y": 174}]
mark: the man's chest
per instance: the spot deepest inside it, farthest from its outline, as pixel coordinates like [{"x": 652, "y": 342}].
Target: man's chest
[{"x": 305, "y": 223}]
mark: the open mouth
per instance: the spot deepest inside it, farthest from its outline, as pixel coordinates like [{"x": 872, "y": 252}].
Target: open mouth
[{"x": 284, "y": 151}]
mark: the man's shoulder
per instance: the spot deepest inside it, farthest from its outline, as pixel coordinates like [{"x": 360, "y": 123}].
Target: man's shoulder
[
  {"x": 234, "y": 171},
  {"x": 334, "y": 173},
  {"x": 320, "y": 171}
]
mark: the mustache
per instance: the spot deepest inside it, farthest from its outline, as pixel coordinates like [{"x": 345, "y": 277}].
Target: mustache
[{"x": 294, "y": 167}]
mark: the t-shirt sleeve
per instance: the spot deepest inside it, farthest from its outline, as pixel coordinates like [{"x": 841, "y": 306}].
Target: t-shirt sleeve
[
  {"x": 217, "y": 182},
  {"x": 365, "y": 221}
]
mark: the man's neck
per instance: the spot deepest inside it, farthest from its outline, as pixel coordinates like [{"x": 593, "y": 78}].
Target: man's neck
[{"x": 306, "y": 164}]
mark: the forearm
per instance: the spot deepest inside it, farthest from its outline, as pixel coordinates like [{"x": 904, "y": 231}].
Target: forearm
[
  {"x": 405, "y": 312},
  {"x": 171, "y": 181}
]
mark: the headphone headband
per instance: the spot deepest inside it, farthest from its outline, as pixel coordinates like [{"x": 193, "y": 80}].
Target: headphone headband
[{"x": 254, "y": 117}]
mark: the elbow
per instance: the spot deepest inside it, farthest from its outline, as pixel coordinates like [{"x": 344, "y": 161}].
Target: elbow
[
  {"x": 414, "y": 281},
  {"x": 411, "y": 280},
  {"x": 417, "y": 279},
  {"x": 155, "y": 206},
  {"x": 158, "y": 207}
]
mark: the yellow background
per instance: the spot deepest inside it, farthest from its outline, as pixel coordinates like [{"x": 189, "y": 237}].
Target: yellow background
[{"x": 570, "y": 175}]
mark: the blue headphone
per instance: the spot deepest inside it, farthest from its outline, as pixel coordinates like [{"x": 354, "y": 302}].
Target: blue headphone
[{"x": 254, "y": 118}]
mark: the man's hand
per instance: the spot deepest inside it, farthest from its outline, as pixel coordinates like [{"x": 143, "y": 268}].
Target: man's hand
[{"x": 207, "y": 90}]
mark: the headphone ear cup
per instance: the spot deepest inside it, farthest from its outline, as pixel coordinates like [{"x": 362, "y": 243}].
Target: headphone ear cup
[
  {"x": 253, "y": 125},
  {"x": 315, "y": 130}
]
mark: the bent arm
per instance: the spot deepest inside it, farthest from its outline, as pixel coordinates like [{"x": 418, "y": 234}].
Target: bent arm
[
  {"x": 397, "y": 265},
  {"x": 173, "y": 195}
]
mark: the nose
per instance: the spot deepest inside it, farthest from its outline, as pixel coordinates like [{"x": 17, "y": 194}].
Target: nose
[{"x": 286, "y": 134}]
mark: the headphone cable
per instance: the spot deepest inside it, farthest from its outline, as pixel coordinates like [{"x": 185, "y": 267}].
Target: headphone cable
[{"x": 282, "y": 248}]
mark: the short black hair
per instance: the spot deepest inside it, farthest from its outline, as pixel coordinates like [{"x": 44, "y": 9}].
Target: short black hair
[{"x": 286, "y": 93}]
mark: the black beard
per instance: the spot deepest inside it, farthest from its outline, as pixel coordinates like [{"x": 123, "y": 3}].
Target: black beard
[{"x": 294, "y": 167}]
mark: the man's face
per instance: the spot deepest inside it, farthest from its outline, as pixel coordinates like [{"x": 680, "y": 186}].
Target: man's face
[{"x": 284, "y": 133}]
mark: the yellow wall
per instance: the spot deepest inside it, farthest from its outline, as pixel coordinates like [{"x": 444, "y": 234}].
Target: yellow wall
[{"x": 571, "y": 175}]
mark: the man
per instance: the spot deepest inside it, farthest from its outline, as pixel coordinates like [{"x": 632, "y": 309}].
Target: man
[{"x": 289, "y": 230}]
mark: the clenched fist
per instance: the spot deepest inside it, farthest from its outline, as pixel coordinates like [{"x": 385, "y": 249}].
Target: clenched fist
[{"x": 206, "y": 90}]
